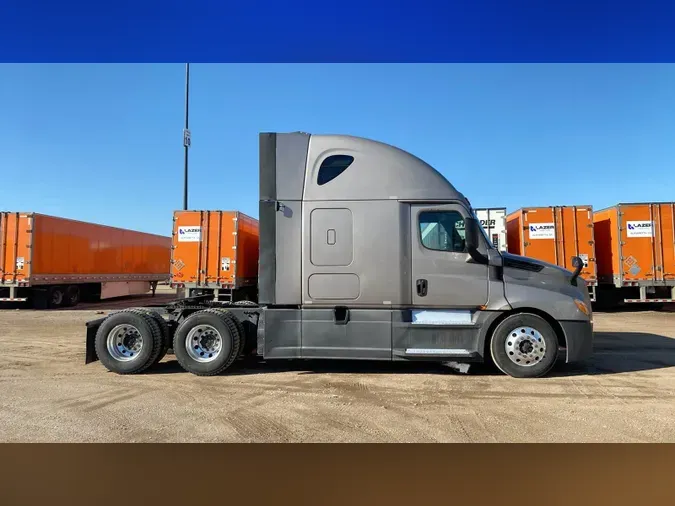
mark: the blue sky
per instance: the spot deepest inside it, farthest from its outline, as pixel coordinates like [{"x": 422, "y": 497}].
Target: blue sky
[{"x": 103, "y": 143}]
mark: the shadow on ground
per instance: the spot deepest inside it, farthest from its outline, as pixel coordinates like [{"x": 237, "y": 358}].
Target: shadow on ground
[
  {"x": 614, "y": 353},
  {"x": 619, "y": 352},
  {"x": 314, "y": 366}
]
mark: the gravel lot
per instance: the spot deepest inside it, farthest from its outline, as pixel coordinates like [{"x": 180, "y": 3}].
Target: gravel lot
[{"x": 626, "y": 393}]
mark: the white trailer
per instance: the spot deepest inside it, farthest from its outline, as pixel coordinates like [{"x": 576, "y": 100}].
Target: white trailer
[{"x": 493, "y": 221}]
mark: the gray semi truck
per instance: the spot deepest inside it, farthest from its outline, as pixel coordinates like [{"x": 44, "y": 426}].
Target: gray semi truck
[{"x": 366, "y": 252}]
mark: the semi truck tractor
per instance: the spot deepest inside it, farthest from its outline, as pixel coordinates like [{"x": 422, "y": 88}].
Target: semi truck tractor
[{"x": 366, "y": 252}]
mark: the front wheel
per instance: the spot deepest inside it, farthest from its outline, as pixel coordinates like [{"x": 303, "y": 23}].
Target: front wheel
[{"x": 524, "y": 346}]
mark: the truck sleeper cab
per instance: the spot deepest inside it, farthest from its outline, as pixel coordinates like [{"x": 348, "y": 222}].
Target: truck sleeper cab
[{"x": 366, "y": 252}]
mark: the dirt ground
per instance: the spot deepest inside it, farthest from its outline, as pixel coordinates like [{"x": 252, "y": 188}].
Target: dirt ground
[{"x": 626, "y": 393}]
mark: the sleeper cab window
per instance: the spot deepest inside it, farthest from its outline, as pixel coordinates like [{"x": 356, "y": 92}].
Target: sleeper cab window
[
  {"x": 442, "y": 231},
  {"x": 332, "y": 167}
]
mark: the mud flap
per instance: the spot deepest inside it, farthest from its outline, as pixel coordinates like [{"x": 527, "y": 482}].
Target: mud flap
[{"x": 90, "y": 350}]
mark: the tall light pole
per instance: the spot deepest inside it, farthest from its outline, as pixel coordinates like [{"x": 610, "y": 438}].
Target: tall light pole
[{"x": 186, "y": 135}]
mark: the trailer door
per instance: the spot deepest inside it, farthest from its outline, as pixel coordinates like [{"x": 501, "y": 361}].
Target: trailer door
[
  {"x": 639, "y": 237},
  {"x": 443, "y": 274},
  {"x": 493, "y": 220},
  {"x": 15, "y": 247}
]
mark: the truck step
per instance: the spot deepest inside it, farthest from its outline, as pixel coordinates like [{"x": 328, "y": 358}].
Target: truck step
[{"x": 436, "y": 353}]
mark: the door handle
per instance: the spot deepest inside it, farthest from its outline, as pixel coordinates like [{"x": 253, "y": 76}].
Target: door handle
[{"x": 422, "y": 287}]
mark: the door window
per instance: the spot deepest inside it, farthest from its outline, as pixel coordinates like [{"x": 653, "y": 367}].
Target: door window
[{"x": 442, "y": 231}]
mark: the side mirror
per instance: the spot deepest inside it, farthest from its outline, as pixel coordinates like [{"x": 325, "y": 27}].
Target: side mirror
[
  {"x": 578, "y": 264},
  {"x": 472, "y": 239}
]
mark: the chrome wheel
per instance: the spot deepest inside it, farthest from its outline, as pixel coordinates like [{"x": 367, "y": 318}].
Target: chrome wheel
[
  {"x": 203, "y": 343},
  {"x": 525, "y": 346},
  {"x": 124, "y": 342}
]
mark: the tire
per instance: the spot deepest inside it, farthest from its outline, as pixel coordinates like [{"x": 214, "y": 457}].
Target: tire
[
  {"x": 246, "y": 303},
  {"x": 213, "y": 323},
  {"x": 240, "y": 329},
  {"x": 56, "y": 297},
  {"x": 517, "y": 343},
  {"x": 72, "y": 296},
  {"x": 136, "y": 324},
  {"x": 164, "y": 327}
]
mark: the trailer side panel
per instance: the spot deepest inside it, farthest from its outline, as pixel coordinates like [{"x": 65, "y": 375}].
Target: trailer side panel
[{"x": 73, "y": 251}]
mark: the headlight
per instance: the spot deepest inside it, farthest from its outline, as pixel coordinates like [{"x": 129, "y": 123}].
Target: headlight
[{"x": 582, "y": 307}]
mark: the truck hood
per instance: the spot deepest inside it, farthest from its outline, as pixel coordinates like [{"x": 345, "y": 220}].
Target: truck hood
[
  {"x": 533, "y": 283},
  {"x": 533, "y": 264}
]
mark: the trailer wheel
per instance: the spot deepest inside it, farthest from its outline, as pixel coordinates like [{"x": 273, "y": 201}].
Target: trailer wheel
[
  {"x": 56, "y": 297},
  {"x": 207, "y": 342},
  {"x": 72, "y": 296},
  {"x": 164, "y": 327},
  {"x": 524, "y": 346},
  {"x": 128, "y": 342}
]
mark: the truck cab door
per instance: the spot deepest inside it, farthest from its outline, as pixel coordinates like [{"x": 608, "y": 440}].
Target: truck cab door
[{"x": 443, "y": 273}]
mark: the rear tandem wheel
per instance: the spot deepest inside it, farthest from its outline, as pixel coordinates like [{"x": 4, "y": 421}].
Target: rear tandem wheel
[
  {"x": 128, "y": 342},
  {"x": 207, "y": 342},
  {"x": 164, "y": 327}
]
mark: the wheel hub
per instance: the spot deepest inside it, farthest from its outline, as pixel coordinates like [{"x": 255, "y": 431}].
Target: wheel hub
[
  {"x": 204, "y": 343},
  {"x": 525, "y": 346},
  {"x": 124, "y": 342}
]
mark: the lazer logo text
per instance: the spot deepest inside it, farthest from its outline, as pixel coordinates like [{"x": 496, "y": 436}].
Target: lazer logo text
[{"x": 542, "y": 231}]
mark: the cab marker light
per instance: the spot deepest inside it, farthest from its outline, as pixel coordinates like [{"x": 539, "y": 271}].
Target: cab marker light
[{"x": 582, "y": 307}]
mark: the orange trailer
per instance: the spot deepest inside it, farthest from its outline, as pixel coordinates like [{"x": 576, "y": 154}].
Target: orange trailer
[
  {"x": 215, "y": 254},
  {"x": 636, "y": 250},
  {"x": 56, "y": 261},
  {"x": 555, "y": 234}
]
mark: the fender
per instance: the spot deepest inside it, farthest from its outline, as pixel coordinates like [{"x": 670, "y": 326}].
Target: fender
[{"x": 90, "y": 350}]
